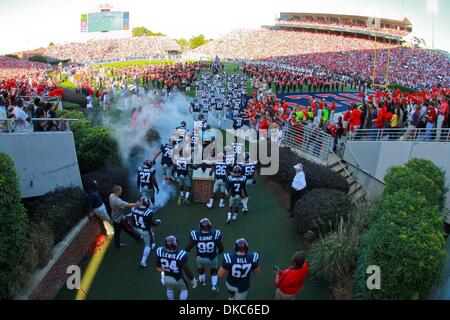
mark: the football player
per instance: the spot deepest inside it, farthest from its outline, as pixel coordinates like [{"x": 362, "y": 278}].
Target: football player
[
  {"x": 208, "y": 243},
  {"x": 143, "y": 221},
  {"x": 181, "y": 167},
  {"x": 237, "y": 267},
  {"x": 249, "y": 173},
  {"x": 180, "y": 132},
  {"x": 166, "y": 152},
  {"x": 229, "y": 158},
  {"x": 237, "y": 189},
  {"x": 146, "y": 181},
  {"x": 171, "y": 262},
  {"x": 220, "y": 171},
  {"x": 238, "y": 150}
]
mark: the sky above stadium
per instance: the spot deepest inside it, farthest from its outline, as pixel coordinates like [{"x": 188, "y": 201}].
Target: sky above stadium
[{"x": 29, "y": 24}]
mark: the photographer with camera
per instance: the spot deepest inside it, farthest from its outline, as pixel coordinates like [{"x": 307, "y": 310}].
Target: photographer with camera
[{"x": 289, "y": 282}]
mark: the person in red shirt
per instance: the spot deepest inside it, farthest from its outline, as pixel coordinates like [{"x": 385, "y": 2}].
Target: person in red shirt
[
  {"x": 332, "y": 111},
  {"x": 289, "y": 282},
  {"x": 346, "y": 119},
  {"x": 355, "y": 120},
  {"x": 431, "y": 121},
  {"x": 442, "y": 117}
]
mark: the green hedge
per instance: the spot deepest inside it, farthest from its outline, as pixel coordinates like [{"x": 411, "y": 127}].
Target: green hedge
[
  {"x": 13, "y": 228},
  {"x": 406, "y": 240},
  {"x": 320, "y": 210},
  {"x": 60, "y": 210},
  {"x": 334, "y": 257},
  {"x": 431, "y": 171},
  {"x": 406, "y": 178},
  {"x": 95, "y": 145}
]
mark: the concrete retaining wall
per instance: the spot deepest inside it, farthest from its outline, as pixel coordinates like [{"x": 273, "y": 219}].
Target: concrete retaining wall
[{"x": 43, "y": 160}]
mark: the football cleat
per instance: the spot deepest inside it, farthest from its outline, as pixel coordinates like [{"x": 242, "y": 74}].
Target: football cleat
[
  {"x": 209, "y": 205},
  {"x": 235, "y": 217},
  {"x": 229, "y": 218},
  {"x": 143, "y": 265},
  {"x": 203, "y": 283},
  {"x": 215, "y": 289},
  {"x": 186, "y": 201}
]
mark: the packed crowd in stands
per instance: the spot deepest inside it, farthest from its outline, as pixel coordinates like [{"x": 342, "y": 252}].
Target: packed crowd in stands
[
  {"x": 414, "y": 68},
  {"x": 330, "y": 55},
  {"x": 113, "y": 49},
  {"x": 343, "y": 24},
  {"x": 263, "y": 43}
]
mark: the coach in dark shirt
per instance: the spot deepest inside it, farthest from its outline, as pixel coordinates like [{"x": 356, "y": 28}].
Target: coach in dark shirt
[{"x": 96, "y": 206}]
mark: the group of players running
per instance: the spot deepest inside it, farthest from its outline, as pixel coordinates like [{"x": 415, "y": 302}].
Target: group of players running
[{"x": 233, "y": 173}]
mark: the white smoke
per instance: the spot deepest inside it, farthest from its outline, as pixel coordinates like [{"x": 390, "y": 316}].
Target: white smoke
[{"x": 163, "y": 117}]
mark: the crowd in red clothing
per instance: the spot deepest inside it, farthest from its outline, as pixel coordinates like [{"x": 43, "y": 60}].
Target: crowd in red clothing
[{"x": 414, "y": 68}]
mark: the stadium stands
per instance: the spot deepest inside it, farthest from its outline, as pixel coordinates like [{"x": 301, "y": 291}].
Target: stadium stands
[
  {"x": 113, "y": 49},
  {"x": 263, "y": 43}
]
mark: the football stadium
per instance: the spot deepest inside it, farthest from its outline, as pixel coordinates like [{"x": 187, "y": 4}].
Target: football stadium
[{"x": 302, "y": 158}]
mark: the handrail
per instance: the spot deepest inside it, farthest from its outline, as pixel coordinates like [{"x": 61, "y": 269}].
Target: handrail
[
  {"x": 10, "y": 122},
  {"x": 402, "y": 134},
  {"x": 313, "y": 141},
  {"x": 342, "y": 165},
  {"x": 358, "y": 165}
]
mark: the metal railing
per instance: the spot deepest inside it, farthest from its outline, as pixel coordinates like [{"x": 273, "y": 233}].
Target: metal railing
[
  {"x": 60, "y": 125},
  {"x": 310, "y": 140},
  {"x": 403, "y": 134}
]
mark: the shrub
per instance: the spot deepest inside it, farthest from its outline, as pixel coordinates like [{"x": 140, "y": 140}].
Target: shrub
[
  {"x": 71, "y": 106},
  {"x": 61, "y": 210},
  {"x": 430, "y": 170},
  {"x": 95, "y": 148},
  {"x": 13, "y": 228},
  {"x": 316, "y": 176},
  {"x": 334, "y": 256},
  {"x": 41, "y": 239},
  {"x": 404, "y": 178},
  {"x": 320, "y": 210},
  {"x": 107, "y": 178},
  {"x": 407, "y": 242},
  {"x": 95, "y": 145},
  {"x": 70, "y": 114}
]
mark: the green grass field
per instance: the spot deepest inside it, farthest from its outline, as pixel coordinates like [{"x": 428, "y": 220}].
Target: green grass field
[{"x": 267, "y": 228}]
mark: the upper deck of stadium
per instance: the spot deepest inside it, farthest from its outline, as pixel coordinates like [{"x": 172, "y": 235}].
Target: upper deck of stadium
[{"x": 382, "y": 28}]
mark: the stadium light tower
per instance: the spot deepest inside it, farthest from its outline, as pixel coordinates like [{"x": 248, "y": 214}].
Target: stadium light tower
[{"x": 433, "y": 8}]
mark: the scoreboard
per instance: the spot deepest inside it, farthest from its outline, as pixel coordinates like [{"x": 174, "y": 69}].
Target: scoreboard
[{"x": 105, "y": 21}]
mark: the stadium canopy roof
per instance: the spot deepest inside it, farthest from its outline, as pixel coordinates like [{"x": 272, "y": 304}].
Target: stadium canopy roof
[{"x": 405, "y": 23}]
